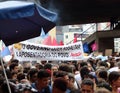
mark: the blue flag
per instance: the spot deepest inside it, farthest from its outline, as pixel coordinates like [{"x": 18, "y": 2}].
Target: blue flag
[
  {"x": 42, "y": 33},
  {"x": 86, "y": 47},
  {"x": 5, "y": 52}
]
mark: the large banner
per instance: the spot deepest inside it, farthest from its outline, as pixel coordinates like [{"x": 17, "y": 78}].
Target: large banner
[{"x": 31, "y": 52}]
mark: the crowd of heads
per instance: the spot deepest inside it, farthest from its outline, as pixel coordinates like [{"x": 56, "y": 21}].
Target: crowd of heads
[{"x": 83, "y": 76}]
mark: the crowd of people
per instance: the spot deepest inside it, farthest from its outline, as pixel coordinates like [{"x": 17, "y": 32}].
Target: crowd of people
[{"x": 83, "y": 76}]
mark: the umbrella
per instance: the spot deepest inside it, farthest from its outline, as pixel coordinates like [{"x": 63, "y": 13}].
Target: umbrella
[{"x": 20, "y": 20}]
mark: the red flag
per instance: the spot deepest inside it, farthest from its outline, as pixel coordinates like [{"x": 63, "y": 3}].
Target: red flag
[
  {"x": 61, "y": 43},
  {"x": 47, "y": 41},
  {"x": 75, "y": 40},
  {"x": 54, "y": 42}
]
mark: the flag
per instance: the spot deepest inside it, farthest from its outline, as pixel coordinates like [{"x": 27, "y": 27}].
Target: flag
[
  {"x": 75, "y": 40},
  {"x": 42, "y": 33},
  {"x": 86, "y": 47},
  {"x": 54, "y": 42},
  {"x": 5, "y": 52},
  {"x": 47, "y": 41},
  {"x": 61, "y": 43},
  {"x": 94, "y": 46}
]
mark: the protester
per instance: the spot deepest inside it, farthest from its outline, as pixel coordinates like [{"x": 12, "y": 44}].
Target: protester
[
  {"x": 72, "y": 82},
  {"x": 14, "y": 67},
  {"x": 103, "y": 74},
  {"x": 85, "y": 77},
  {"x": 16, "y": 61},
  {"x": 65, "y": 67},
  {"x": 104, "y": 85},
  {"x": 78, "y": 76},
  {"x": 55, "y": 67},
  {"x": 39, "y": 66},
  {"x": 14, "y": 75},
  {"x": 114, "y": 81},
  {"x": 84, "y": 72},
  {"x": 43, "y": 62},
  {"x": 59, "y": 85},
  {"x": 42, "y": 83},
  {"x": 87, "y": 86},
  {"x": 65, "y": 76},
  {"x": 32, "y": 75},
  {"x": 102, "y": 90},
  {"x": 4, "y": 88}
]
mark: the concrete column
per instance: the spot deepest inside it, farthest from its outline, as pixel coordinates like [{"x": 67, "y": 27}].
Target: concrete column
[{"x": 105, "y": 43}]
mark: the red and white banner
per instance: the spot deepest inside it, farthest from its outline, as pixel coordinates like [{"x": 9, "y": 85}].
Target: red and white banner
[{"x": 31, "y": 52}]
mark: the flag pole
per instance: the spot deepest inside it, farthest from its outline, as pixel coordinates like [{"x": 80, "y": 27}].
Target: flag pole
[{"x": 4, "y": 71}]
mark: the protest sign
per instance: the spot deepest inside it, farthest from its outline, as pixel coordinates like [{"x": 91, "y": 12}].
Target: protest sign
[{"x": 31, "y": 52}]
